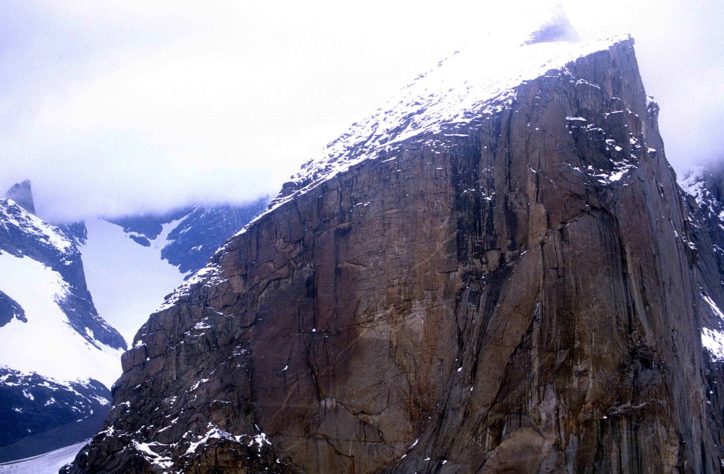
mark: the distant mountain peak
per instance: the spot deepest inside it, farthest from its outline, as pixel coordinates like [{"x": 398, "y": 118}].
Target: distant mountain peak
[
  {"x": 58, "y": 356},
  {"x": 22, "y": 194}
]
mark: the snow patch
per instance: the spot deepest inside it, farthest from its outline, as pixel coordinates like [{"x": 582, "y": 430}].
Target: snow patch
[
  {"x": 715, "y": 309},
  {"x": 26, "y": 346},
  {"x": 201, "y": 325},
  {"x": 260, "y": 440},
  {"x": 126, "y": 302},
  {"x": 12, "y": 215},
  {"x": 713, "y": 339},
  {"x": 151, "y": 456},
  {"x": 214, "y": 433},
  {"x": 197, "y": 384},
  {"x": 209, "y": 275}
]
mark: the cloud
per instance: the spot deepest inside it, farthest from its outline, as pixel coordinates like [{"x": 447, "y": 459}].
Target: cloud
[{"x": 124, "y": 106}]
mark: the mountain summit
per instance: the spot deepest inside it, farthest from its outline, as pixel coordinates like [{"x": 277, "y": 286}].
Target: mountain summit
[
  {"x": 22, "y": 194},
  {"x": 494, "y": 273},
  {"x": 456, "y": 94}
]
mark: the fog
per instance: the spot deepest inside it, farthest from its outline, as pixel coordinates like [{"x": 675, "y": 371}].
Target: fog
[{"x": 126, "y": 106}]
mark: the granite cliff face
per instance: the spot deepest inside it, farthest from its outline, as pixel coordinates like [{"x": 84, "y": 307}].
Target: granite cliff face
[
  {"x": 706, "y": 187},
  {"x": 704, "y": 201},
  {"x": 511, "y": 288}
]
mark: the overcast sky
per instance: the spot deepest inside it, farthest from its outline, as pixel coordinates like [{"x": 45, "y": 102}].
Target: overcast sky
[{"x": 122, "y": 106}]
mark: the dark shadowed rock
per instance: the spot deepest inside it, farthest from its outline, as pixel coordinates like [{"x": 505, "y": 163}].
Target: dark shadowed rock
[
  {"x": 147, "y": 226},
  {"x": 70, "y": 412},
  {"x": 22, "y": 194},
  {"x": 205, "y": 229},
  {"x": 9, "y": 309},
  {"x": 198, "y": 232},
  {"x": 518, "y": 292},
  {"x": 23, "y": 234},
  {"x": 34, "y": 401},
  {"x": 75, "y": 231}
]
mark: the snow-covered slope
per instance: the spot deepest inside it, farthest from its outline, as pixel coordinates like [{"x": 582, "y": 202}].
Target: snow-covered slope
[
  {"x": 41, "y": 273},
  {"x": 133, "y": 262},
  {"x": 58, "y": 357},
  {"x": 478, "y": 80},
  {"x": 127, "y": 280},
  {"x": 48, "y": 463},
  {"x": 26, "y": 346},
  {"x": 25, "y": 236},
  {"x": 706, "y": 187}
]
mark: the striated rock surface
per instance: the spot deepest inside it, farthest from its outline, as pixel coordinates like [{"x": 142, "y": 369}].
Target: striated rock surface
[
  {"x": 704, "y": 187},
  {"x": 511, "y": 288}
]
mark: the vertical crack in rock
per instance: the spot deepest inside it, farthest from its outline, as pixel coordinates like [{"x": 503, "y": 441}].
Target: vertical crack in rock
[{"x": 511, "y": 292}]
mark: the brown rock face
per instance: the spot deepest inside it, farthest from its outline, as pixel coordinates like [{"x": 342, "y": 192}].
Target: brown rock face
[{"x": 513, "y": 295}]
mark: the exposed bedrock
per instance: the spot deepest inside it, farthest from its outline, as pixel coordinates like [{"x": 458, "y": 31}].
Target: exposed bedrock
[{"x": 516, "y": 294}]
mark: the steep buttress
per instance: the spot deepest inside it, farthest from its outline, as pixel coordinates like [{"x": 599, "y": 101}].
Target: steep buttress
[{"x": 516, "y": 294}]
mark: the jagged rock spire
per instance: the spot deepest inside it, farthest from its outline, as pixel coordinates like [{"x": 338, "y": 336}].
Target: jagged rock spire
[{"x": 22, "y": 194}]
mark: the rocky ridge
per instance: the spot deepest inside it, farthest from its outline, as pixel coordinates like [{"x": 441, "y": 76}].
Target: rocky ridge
[
  {"x": 703, "y": 190},
  {"x": 501, "y": 276},
  {"x": 39, "y": 413},
  {"x": 706, "y": 187},
  {"x": 57, "y": 352},
  {"x": 22, "y": 234}
]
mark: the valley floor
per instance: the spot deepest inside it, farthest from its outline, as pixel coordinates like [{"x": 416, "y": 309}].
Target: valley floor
[{"x": 48, "y": 463}]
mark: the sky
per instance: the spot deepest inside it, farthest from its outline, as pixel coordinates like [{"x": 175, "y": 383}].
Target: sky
[{"x": 122, "y": 106}]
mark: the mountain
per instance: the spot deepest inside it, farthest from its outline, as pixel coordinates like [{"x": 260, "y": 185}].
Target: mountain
[
  {"x": 22, "y": 194},
  {"x": 132, "y": 262},
  {"x": 57, "y": 357},
  {"x": 706, "y": 187},
  {"x": 496, "y": 273},
  {"x": 703, "y": 191},
  {"x": 192, "y": 234},
  {"x": 50, "y": 271}
]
